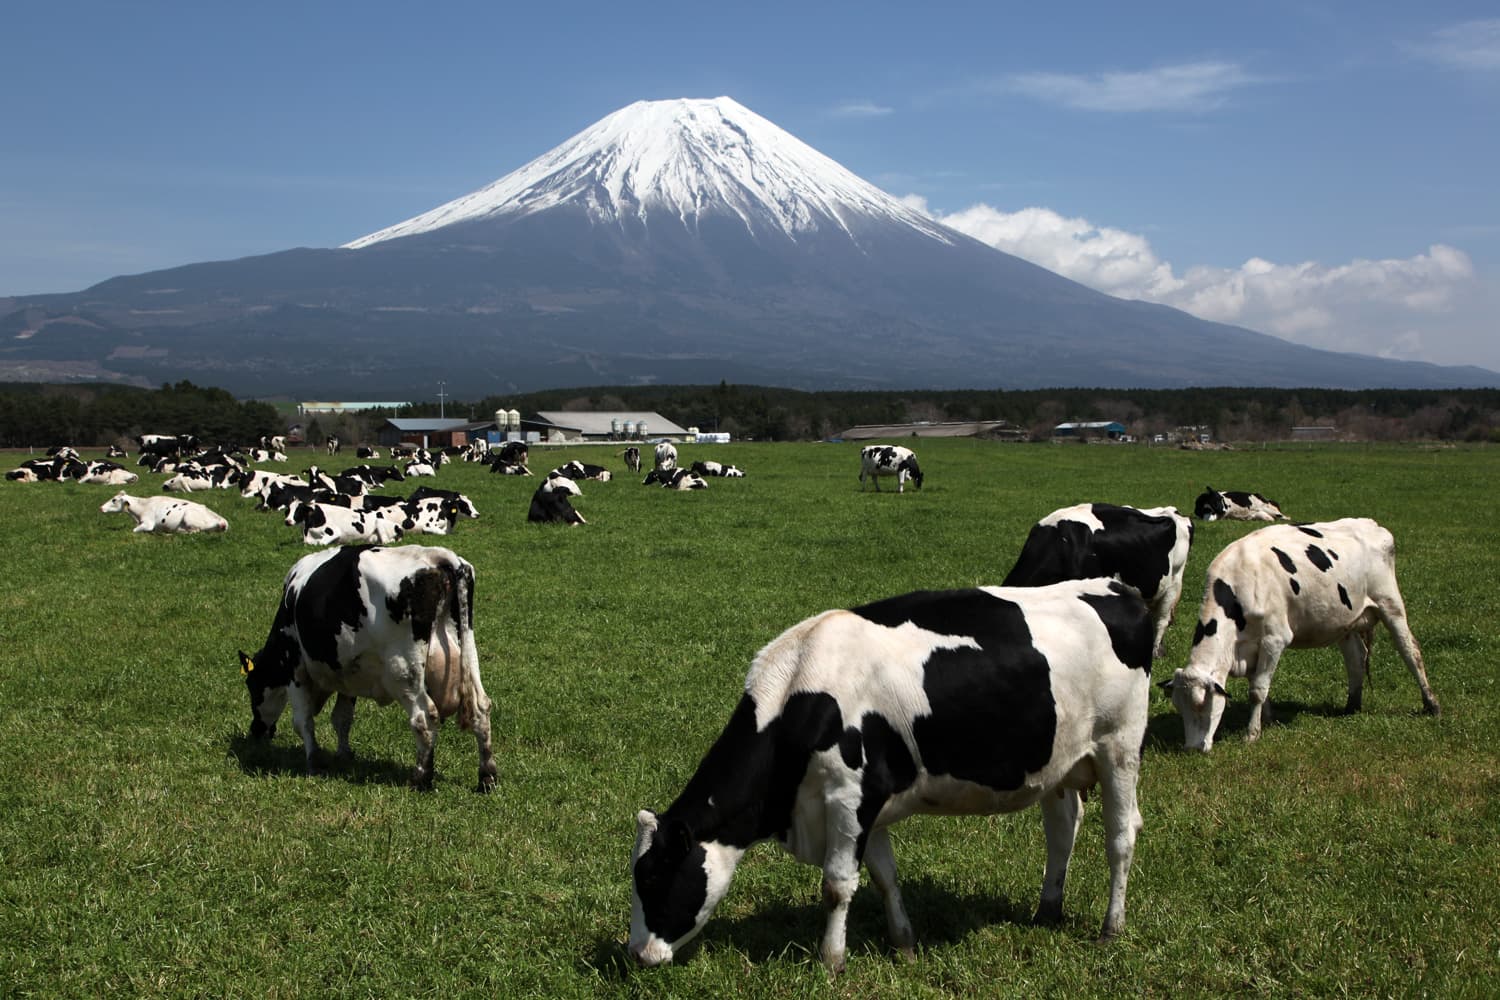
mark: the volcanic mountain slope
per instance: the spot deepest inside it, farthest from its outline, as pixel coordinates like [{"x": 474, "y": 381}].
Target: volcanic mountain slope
[{"x": 673, "y": 241}]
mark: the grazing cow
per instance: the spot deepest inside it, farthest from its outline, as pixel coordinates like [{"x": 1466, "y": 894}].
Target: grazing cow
[
  {"x": 330, "y": 524},
  {"x": 675, "y": 479},
  {"x": 466, "y": 506},
  {"x": 1235, "y": 505},
  {"x": 954, "y": 702},
  {"x": 666, "y": 457},
  {"x": 550, "y": 505},
  {"x": 633, "y": 459},
  {"x": 165, "y": 515},
  {"x": 392, "y": 625},
  {"x": 576, "y": 470},
  {"x": 717, "y": 469},
  {"x": 878, "y": 460},
  {"x": 1145, "y": 549},
  {"x": 1292, "y": 587}
]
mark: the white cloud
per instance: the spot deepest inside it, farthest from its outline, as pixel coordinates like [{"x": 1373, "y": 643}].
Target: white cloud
[
  {"x": 1472, "y": 45},
  {"x": 1368, "y": 306},
  {"x": 860, "y": 109},
  {"x": 1200, "y": 86}
]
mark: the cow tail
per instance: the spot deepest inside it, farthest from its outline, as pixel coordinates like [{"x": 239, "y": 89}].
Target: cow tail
[{"x": 472, "y": 701}]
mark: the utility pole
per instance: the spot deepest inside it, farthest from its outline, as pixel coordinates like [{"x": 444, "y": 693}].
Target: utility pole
[{"x": 441, "y": 397}]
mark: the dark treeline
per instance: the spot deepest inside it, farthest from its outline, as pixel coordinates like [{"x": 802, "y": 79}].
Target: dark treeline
[
  {"x": 36, "y": 416},
  {"x": 91, "y": 416}
]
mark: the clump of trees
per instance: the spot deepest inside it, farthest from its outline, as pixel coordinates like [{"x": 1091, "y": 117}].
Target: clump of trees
[{"x": 93, "y": 416}]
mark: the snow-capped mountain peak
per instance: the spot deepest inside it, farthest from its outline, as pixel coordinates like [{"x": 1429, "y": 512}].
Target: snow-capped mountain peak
[{"x": 681, "y": 160}]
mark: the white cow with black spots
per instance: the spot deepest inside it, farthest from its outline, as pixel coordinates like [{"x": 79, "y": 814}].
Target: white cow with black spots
[
  {"x": 1292, "y": 587},
  {"x": 165, "y": 515}
]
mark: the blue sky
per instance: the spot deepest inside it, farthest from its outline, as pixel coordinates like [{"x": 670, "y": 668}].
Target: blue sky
[{"x": 1323, "y": 172}]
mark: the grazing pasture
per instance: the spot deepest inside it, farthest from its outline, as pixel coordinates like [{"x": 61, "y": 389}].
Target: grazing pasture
[{"x": 147, "y": 847}]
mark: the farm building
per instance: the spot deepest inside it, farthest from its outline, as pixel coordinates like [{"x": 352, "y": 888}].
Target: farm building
[
  {"x": 935, "y": 428},
  {"x": 605, "y": 425},
  {"x": 1113, "y": 430},
  {"x": 429, "y": 432}
]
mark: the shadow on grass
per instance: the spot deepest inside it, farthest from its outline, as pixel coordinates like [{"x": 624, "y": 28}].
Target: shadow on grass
[
  {"x": 940, "y": 916},
  {"x": 268, "y": 758},
  {"x": 1164, "y": 731}
]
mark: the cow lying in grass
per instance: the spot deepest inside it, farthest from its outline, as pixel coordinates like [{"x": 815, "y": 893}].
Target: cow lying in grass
[{"x": 165, "y": 515}]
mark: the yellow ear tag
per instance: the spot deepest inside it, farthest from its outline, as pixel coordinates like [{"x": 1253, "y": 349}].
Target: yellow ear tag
[{"x": 247, "y": 666}]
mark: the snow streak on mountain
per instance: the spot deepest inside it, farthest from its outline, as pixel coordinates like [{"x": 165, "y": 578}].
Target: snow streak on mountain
[{"x": 682, "y": 160}]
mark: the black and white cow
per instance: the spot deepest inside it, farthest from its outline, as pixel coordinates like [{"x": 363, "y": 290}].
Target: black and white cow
[
  {"x": 1235, "y": 505},
  {"x": 576, "y": 470},
  {"x": 665, "y": 456},
  {"x": 952, "y": 702},
  {"x": 702, "y": 468},
  {"x": 332, "y": 524},
  {"x": 391, "y": 625},
  {"x": 1292, "y": 587},
  {"x": 108, "y": 473},
  {"x": 633, "y": 459},
  {"x": 1146, "y": 549},
  {"x": 550, "y": 504},
  {"x": 365, "y": 451},
  {"x": 878, "y": 460},
  {"x": 466, "y": 506},
  {"x": 513, "y": 453},
  {"x": 675, "y": 479},
  {"x": 504, "y": 469}
]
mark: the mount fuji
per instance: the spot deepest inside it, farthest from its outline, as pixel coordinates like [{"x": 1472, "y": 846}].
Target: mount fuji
[{"x": 683, "y": 241}]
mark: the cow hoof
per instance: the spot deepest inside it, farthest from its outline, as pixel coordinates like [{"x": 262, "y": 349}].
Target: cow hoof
[
  {"x": 1047, "y": 915},
  {"x": 908, "y": 953},
  {"x": 1433, "y": 708},
  {"x": 834, "y": 964},
  {"x": 486, "y": 784},
  {"x": 421, "y": 782}
]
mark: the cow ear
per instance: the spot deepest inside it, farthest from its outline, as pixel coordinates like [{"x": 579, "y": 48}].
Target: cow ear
[
  {"x": 1219, "y": 690},
  {"x": 1165, "y": 685},
  {"x": 246, "y": 664},
  {"x": 645, "y": 820}
]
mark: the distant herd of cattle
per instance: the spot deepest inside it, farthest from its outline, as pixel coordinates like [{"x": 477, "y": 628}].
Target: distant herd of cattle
[{"x": 969, "y": 701}]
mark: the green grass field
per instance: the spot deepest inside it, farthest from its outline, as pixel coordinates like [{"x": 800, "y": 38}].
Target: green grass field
[{"x": 147, "y": 848}]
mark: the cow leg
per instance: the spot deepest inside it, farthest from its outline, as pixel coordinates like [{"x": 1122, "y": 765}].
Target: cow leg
[
  {"x": 840, "y": 880},
  {"x": 1122, "y": 824},
  {"x": 1271, "y": 648},
  {"x": 487, "y": 769},
  {"x": 1393, "y": 613},
  {"x": 424, "y": 720},
  {"x": 307, "y": 702},
  {"x": 1356, "y": 649},
  {"x": 1062, "y": 811},
  {"x": 343, "y": 721},
  {"x": 881, "y": 862}
]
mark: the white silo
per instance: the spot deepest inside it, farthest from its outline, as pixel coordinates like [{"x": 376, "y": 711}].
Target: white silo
[{"x": 515, "y": 419}]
